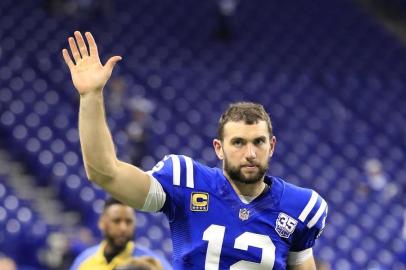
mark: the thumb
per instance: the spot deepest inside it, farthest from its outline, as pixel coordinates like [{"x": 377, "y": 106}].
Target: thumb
[{"x": 112, "y": 62}]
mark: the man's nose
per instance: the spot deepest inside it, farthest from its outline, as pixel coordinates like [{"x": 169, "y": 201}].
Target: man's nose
[
  {"x": 251, "y": 151},
  {"x": 123, "y": 226}
]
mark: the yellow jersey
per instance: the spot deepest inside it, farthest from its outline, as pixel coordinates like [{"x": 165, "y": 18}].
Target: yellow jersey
[{"x": 93, "y": 257}]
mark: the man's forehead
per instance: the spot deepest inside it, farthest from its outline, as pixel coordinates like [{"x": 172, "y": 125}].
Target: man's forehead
[
  {"x": 118, "y": 210},
  {"x": 243, "y": 130}
]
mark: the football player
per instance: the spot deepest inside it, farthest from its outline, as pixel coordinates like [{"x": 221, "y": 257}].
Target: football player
[{"x": 236, "y": 217}]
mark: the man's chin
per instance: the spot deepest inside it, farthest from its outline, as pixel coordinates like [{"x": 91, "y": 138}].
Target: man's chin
[
  {"x": 248, "y": 180},
  {"x": 251, "y": 176},
  {"x": 245, "y": 174},
  {"x": 120, "y": 244}
]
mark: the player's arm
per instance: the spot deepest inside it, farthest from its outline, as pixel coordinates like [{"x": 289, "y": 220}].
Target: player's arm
[
  {"x": 313, "y": 215},
  {"x": 124, "y": 181},
  {"x": 308, "y": 264}
]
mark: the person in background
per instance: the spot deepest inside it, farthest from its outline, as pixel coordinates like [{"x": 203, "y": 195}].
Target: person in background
[
  {"x": 117, "y": 224},
  {"x": 378, "y": 181},
  {"x": 225, "y": 27},
  {"x": 138, "y": 129},
  {"x": 116, "y": 96}
]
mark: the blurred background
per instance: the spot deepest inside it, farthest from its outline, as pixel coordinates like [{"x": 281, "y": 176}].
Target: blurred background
[{"x": 332, "y": 74}]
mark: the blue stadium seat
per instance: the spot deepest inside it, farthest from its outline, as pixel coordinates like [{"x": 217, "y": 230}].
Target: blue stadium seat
[{"x": 336, "y": 100}]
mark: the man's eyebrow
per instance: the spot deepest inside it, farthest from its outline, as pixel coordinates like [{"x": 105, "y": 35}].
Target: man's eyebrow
[
  {"x": 237, "y": 138},
  {"x": 241, "y": 138}
]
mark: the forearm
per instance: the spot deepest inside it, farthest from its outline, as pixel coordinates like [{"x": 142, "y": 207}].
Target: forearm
[{"x": 95, "y": 139}]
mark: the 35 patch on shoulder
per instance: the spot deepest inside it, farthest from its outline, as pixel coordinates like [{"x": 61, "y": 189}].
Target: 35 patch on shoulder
[{"x": 285, "y": 225}]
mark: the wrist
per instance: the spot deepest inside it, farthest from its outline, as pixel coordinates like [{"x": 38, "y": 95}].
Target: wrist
[{"x": 97, "y": 93}]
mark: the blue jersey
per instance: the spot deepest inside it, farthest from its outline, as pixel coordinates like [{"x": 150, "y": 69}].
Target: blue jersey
[{"x": 213, "y": 229}]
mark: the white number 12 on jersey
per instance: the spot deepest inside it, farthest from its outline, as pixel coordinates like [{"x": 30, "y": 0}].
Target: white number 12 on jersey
[{"x": 214, "y": 234}]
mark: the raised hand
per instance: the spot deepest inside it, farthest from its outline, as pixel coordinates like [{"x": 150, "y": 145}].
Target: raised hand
[{"x": 88, "y": 74}]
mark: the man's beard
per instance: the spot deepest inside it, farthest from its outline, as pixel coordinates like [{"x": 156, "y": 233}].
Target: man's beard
[{"x": 236, "y": 174}]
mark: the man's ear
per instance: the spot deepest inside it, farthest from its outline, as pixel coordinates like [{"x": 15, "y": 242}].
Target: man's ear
[
  {"x": 272, "y": 143},
  {"x": 101, "y": 223},
  {"x": 218, "y": 148}
]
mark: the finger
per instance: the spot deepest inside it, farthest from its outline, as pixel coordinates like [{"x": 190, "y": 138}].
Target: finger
[
  {"x": 92, "y": 44},
  {"x": 74, "y": 49},
  {"x": 81, "y": 44},
  {"x": 112, "y": 62},
  {"x": 67, "y": 58}
]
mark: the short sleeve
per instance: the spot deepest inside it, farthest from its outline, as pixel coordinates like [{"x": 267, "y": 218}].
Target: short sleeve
[
  {"x": 173, "y": 172},
  {"x": 312, "y": 226}
]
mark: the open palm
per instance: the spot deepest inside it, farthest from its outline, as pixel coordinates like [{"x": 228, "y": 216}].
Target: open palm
[{"x": 88, "y": 74}]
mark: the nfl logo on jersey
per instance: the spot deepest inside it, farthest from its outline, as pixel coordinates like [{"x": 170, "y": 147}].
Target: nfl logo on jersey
[
  {"x": 244, "y": 214},
  {"x": 285, "y": 225}
]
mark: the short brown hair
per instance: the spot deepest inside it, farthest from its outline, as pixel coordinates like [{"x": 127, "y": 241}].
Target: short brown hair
[{"x": 250, "y": 113}]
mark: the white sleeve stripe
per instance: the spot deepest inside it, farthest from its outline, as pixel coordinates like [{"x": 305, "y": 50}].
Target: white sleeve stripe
[
  {"x": 295, "y": 258},
  {"x": 189, "y": 172},
  {"x": 309, "y": 206},
  {"x": 176, "y": 170},
  {"x": 318, "y": 214}
]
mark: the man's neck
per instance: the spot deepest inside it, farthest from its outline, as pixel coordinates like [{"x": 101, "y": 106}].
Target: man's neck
[{"x": 110, "y": 252}]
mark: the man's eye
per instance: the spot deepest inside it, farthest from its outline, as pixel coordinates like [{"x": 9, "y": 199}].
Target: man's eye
[
  {"x": 237, "y": 143},
  {"x": 259, "y": 142}
]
